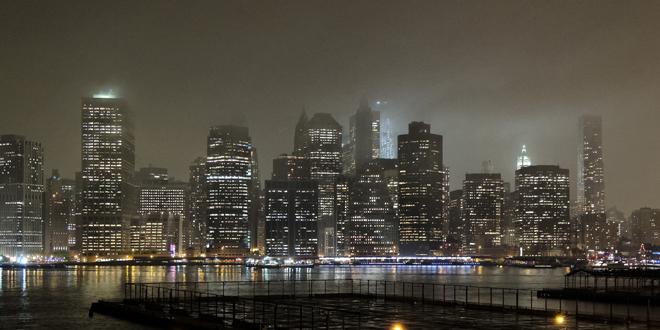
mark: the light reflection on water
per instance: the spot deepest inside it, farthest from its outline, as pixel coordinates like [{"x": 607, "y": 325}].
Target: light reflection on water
[{"x": 37, "y": 298}]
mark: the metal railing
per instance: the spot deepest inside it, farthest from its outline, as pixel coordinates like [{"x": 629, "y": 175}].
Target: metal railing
[{"x": 203, "y": 298}]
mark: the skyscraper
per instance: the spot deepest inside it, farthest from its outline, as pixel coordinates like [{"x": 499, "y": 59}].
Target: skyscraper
[
  {"x": 291, "y": 210},
  {"x": 543, "y": 210},
  {"x": 591, "y": 182},
  {"x": 456, "y": 223},
  {"x": 421, "y": 189},
  {"x": 387, "y": 143},
  {"x": 364, "y": 138},
  {"x": 645, "y": 226},
  {"x": 21, "y": 196},
  {"x": 323, "y": 149},
  {"x": 59, "y": 217},
  {"x": 229, "y": 176},
  {"x": 108, "y": 201},
  {"x": 371, "y": 227},
  {"x": 523, "y": 159},
  {"x": 197, "y": 205},
  {"x": 300, "y": 138},
  {"x": 483, "y": 198},
  {"x": 161, "y": 206}
]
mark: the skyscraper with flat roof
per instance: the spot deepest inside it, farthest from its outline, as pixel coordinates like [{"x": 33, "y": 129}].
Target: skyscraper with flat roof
[
  {"x": 324, "y": 151},
  {"x": 543, "y": 219},
  {"x": 421, "y": 190},
  {"x": 229, "y": 176},
  {"x": 108, "y": 201},
  {"x": 483, "y": 198},
  {"x": 21, "y": 196}
]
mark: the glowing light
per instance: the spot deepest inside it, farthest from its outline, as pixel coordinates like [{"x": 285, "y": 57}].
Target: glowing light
[
  {"x": 560, "y": 319},
  {"x": 105, "y": 95},
  {"x": 397, "y": 326},
  {"x": 22, "y": 260}
]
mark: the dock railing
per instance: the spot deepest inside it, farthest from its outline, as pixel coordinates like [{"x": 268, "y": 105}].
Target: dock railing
[{"x": 204, "y": 297}]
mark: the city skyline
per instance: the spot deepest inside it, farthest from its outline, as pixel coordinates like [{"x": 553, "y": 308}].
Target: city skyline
[{"x": 494, "y": 92}]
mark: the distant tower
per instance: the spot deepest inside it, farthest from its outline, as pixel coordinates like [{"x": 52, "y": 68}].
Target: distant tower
[
  {"x": 523, "y": 160},
  {"x": 591, "y": 182},
  {"x": 300, "y": 135},
  {"x": 387, "y": 145},
  {"x": 363, "y": 138}
]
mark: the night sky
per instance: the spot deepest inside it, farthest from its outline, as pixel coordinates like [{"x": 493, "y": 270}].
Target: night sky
[{"x": 488, "y": 75}]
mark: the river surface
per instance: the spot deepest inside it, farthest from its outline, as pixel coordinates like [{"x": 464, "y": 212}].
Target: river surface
[{"x": 60, "y": 299}]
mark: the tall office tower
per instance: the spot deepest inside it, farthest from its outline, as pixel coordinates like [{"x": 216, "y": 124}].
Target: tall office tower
[
  {"x": 387, "y": 144},
  {"x": 21, "y": 196},
  {"x": 523, "y": 160},
  {"x": 197, "y": 206},
  {"x": 300, "y": 138},
  {"x": 645, "y": 226},
  {"x": 508, "y": 226},
  {"x": 421, "y": 186},
  {"x": 75, "y": 229},
  {"x": 291, "y": 210},
  {"x": 108, "y": 165},
  {"x": 363, "y": 139},
  {"x": 543, "y": 210},
  {"x": 323, "y": 149},
  {"x": 161, "y": 206},
  {"x": 254, "y": 208},
  {"x": 371, "y": 227},
  {"x": 483, "y": 198},
  {"x": 591, "y": 182},
  {"x": 455, "y": 223},
  {"x": 229, "y": 180},
  {"x": 59, "y": 214},
  {"x": 342, "y": 216}
]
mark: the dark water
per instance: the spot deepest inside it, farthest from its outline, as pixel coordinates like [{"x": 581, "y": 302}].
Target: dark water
[{"x": 36, "y": 299}]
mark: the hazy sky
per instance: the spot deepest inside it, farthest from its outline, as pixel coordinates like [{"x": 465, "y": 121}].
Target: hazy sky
[{"x": 488, "y": 75}]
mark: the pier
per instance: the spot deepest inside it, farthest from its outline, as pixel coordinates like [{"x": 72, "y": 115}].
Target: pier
[{"x": 355, "y": 304}]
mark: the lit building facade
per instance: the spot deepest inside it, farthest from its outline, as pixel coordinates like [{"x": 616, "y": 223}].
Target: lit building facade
[
  {"x": 371, "y": 227},
  {"x": 291, "y": 210},
  {"x": 21, "y": 196},
  {"x": 483, "y": 199},
  {"x": 59, "y": 222},
  {"x": 455, "y": 224},
  {"x": 108, "y": 201},
  {"x": 161, "y": 206},
  {"x": 229, "y": 180},
  {"x": 323, "y": 148},
  {"x": 197, "y": 206},
  {"x": 543, "y": 219},
  {"x": 421, "y": 190}
]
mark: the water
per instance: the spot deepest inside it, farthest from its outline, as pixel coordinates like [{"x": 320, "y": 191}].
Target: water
[{"x": 35, "y": 299}]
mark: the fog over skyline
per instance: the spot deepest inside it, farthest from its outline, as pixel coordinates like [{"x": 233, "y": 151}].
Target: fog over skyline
[{"x": 488, "y": 78}]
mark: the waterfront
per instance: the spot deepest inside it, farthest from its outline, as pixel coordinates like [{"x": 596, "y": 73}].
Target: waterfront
[{"x": 38, "y": 298}]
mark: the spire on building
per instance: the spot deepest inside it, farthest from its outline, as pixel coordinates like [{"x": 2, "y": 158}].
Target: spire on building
[{"x": 523, "y": 160}]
